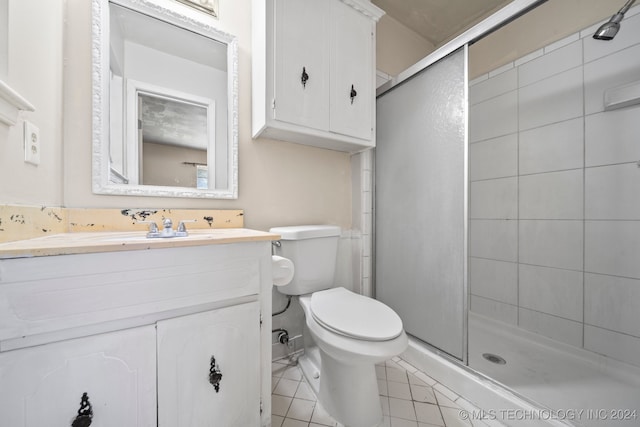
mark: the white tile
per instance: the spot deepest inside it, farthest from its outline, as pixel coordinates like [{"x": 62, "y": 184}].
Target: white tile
[
  {"x": 305, "y": 392},
  {"x": 383, "y": 390},
  {"x": 494, "y": 199},
  {"x": 529, "y": 57},
  {"x": 289, "y": 422},
  {"x": 422, "y": 394},
  {"x": 398, "y": 390},
  {"x": 558, "y": 146},
  {"x": 618, "y": 346},
  {"x": 478, "y": 79},
  {"x": 446, "y": 392},
  {"x": 613, "y": 192},
  {"x": 612, "y": 137},
  {"x": 497, "y": 280},
  {"x": 397, "y": 375},
  {"x": 399, "y": 422},
  {"x": 612, "y": 247},
  {"x": 628, "y": 35},
  {"x": 274, "y": 382},
  {"x": 292, "y": 373},
  {"x": 554, "y": 62},
  {"x": 562, "y": 43},
  {"x": 386, "y": 422},
  {"x": 599, "y": 76},
  {"x": 452, "y": 418},
  {"x": 612, "y": 303},
  {"x": 286, "y": 387},
  {"x": 280, "y": 405},
  {"x": 494, "y": 239},
  {"x": 407, "y": 366},
  {"x": 276, "y": 420},
  {"x": 301, "y": 409},
  {"x": 551, "y": 100},
  {"x": 502, "y": 69},
  {"x": 495, "y": 117},
  {"x": 494, "y": 158},
  {"x": 551, "y": 290},
  {"x": 421, "y": 376},
  {"x": 506, "y": 313},
  {"x": 551, "y": 195},
  {"x": 551, "y": 243},
  {"x": 400, "y": 408},
  {"x": 494, "y": 86},
  {"x": 278, "y": 368},
  {"x": 429, "y": 413},
  {"x": 384, "y": 401},
  {"x": 563, "y": 330}
]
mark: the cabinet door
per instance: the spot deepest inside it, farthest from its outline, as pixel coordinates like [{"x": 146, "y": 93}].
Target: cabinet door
[
  {"x": 351, "y": 72},
  {"x": 302, "y": 47},
  {"x": 43, "y": 385},
  {"x": 187, "y": 346}
]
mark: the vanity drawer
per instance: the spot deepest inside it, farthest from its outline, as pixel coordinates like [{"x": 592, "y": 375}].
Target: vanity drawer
[{"x": 47, "y": 294}]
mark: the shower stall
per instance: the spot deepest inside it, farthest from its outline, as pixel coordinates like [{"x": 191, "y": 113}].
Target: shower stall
[{"x": 507, "y": 217}]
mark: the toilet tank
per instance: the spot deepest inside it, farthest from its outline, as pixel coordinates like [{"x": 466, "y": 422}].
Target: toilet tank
[{"x": 313, "y": 250}]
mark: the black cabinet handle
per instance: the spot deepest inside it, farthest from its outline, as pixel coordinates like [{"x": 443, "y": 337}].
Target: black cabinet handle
[
  {"x": 215, "y": 376},
  {"x": 85, "y": 413},
  {"x": 304, "y": 77},
  {"x": 352, "y": 94}
]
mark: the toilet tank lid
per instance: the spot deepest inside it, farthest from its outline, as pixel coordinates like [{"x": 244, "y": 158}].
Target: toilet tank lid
[{"x": 299, "y": 232}]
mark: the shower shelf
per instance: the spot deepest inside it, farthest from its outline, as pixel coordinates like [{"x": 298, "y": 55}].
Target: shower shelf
[{"x": 622, "y": 96}]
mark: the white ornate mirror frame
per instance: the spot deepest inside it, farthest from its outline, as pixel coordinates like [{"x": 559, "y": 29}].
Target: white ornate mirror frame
[{"x": 162, "y": 11}]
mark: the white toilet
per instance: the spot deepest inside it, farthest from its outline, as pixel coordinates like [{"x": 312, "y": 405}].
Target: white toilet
[{"x": 346, "y": 334}]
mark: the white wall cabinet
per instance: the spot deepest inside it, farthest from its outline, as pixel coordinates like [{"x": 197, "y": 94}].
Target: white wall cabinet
[
  {"x": 314, "y": 72},
  {"x": 136, "y": 331}
]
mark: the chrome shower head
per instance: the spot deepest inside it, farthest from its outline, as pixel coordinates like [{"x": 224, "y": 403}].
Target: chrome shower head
[{"x": 609, "y": 29}]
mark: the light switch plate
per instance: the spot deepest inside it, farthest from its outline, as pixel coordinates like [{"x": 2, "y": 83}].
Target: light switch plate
[{"x": 31, "y": 143}]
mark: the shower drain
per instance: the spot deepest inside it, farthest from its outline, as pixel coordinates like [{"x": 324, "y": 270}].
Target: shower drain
[{"x": 494, "y": 358}]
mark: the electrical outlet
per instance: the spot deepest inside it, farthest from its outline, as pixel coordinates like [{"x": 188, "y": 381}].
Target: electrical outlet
[{"x": 31, "y": 143}]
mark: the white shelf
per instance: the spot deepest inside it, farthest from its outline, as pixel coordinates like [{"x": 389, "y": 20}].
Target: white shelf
[{"x": 11, "y": 102}]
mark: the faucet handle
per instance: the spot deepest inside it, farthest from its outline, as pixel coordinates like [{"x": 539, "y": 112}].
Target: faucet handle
[
  {"x": 153, "y": 228},
  {"x": 182, "y": 228}
]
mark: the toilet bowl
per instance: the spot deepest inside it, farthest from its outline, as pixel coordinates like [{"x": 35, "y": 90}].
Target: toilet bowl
[
  {"x": 350, "y": 345},
  {"x": 345, "y": 333}
]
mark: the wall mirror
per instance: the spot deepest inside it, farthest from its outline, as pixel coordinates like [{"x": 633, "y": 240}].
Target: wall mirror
[{"x": 165, "y": 102}]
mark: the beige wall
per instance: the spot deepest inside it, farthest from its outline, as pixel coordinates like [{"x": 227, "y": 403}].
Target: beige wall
[
  {"x": 398, "y": 47},
  {"x": 547, "y": 23},
  {"x": 279, "y": 183},
  {"x": 35, "y": 35}
]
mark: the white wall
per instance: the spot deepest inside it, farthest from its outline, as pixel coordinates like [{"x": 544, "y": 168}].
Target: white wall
[
  {"x": 554, "y": 212},
  {"x": 34, "y": 69}
]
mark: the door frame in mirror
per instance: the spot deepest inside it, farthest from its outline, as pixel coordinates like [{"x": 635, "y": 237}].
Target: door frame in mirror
[{"x": 101, "y": 182}]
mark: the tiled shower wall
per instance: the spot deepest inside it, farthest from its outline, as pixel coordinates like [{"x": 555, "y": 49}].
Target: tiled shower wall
[{"x": 555, "y": 194}]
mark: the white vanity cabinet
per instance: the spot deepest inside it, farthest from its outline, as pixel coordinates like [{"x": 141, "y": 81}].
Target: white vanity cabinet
[
  {"x": 44, "y": 385},
  {"x": 196, "y": 351},
  {"x": 314, "y": 72},
  {"x": 156, "y": 337}
]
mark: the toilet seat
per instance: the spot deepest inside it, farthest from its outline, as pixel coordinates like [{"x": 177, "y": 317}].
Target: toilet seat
[{"x": 355, "y": 316}]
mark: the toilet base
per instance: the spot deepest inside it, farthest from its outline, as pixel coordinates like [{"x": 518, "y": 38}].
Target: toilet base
[{"x": 349, "y": 393}]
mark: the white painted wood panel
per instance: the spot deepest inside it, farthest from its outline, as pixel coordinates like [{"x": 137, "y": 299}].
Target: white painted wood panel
[
  {"x": 41, "y": 295},
  {"x": 43, "y": 385},
  {"x": 185, "y": 347}
]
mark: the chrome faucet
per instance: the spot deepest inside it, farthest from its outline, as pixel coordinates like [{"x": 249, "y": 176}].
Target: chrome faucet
[{"x": 167, "y": 230}]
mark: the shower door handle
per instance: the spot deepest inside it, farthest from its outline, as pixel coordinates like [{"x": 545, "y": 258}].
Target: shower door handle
[{"x": 352, "y": 94}]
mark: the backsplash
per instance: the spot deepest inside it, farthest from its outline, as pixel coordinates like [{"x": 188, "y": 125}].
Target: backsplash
[{"x": 27, "y": 222}]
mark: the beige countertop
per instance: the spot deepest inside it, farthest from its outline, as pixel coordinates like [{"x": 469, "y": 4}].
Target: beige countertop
[{"x": 78, "y": 243}]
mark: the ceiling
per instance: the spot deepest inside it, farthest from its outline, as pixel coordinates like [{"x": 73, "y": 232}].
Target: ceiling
[{"x": 438, "y": 21}]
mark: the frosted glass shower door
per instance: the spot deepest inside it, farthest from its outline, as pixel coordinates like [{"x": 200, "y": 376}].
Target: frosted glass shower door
[{"x": 421, "y": 202}]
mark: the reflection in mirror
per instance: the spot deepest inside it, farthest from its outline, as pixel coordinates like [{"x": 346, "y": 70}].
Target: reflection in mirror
[{"x": 168, "y": 126}]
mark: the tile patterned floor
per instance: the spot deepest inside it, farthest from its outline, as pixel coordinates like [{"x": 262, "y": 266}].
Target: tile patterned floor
[{"x": 409, "y": 397}]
